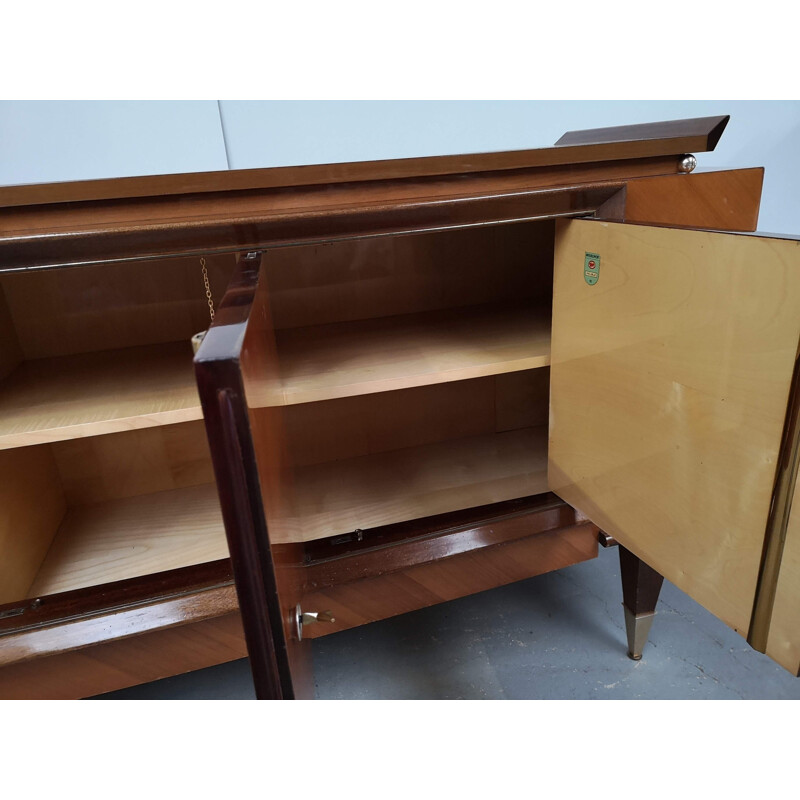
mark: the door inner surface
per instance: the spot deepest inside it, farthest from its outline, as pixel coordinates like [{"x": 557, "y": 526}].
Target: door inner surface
[{"x": 673, "y": 354}]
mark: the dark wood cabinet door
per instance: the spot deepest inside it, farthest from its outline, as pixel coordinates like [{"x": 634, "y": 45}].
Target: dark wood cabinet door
[{"x": 232, "y": 365}]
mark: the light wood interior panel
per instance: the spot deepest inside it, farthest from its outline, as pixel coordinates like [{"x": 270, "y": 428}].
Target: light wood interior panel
[
  {"x": 133, "y": 536},
  {"x": 119, "y": 662},
  {"x": 382, "y": 488},
  {"x": 346, "y": 359},
  {"x": 360, "y": 462},
  {"x": 669, "y": 386},
  {"x": 50, "y": 400},
  {"x": 726, "y": 200},
  {"x": 32, "y": 505},
  {"x": 395, "y": 275},
  {"x": 118, "y": 465},
  {"x": 783, "y": 643},
  {"x": 112, "y": 306},
  {"x": 105, "y": 508},
  {"x": 356, "y": 426}
]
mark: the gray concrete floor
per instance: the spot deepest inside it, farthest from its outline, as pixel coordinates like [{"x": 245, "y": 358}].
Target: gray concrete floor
[{"x": 558, "y": 636}]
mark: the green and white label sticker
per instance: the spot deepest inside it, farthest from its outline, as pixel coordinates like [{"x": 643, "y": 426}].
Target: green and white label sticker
[{"x": 591, "y": 268}]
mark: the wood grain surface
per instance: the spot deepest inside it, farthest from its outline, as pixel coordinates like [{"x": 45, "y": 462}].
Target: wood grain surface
[
  {"x": 378, "y": 355},
  {"x": 119, "y": 660},
  {"x": 574, "y": 147},
  {"x": 726, "y": 200},
  {"x": 388, "y": 276},
  {"x": 112, "y": 306},
  {"x": 783, "y": 643},
  {"x": 32, "y": 505},
  {"x": 134, "y": 536},
  {"x": 381, "y": 488},
  {"x": 52, "y": 399},
  {"x": 99, "y": 468},
  {"x": 669, "y": 386}
]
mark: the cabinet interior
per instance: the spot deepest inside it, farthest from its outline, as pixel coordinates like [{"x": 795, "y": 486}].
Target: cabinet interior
[
  {"x": 408, "y": 377},
  {"x": 105, "y": 468}
]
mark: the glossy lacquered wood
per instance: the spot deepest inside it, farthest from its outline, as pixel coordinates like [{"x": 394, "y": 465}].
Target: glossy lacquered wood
[
  {"x": 669, "y": 386},
  {"x": 112, "y": 665},
  {"x": 93, "y": 640},
  {"x": 726, "y": 200},
  {"x": 707, "y": 130},
  {"x": 439, "y": 580},
  {"x": 482, "y": 234},
  {"x": 575, "y": 147},
  {"x": 231, "y": 356}
]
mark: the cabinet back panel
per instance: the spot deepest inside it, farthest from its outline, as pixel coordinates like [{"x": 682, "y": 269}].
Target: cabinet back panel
[
  {"x": 110, "y": 306},
  {"x": 32, "y": 506},
  {"x": 354, "y": 426},
  {"x": 101, "y": 468},
  {"x": 393, "y": 275}
]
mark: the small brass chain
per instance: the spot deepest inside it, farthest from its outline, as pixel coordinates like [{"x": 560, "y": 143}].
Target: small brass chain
[{"x": 208, "y": 289}]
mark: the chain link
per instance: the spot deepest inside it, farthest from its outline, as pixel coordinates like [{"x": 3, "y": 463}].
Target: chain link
[{"x": 208, "y": 289}]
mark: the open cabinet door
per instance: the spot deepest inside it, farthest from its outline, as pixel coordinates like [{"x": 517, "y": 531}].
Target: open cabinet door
[
  {"x": 232, "y": 366},
  {"x": 673, "y": 365}
]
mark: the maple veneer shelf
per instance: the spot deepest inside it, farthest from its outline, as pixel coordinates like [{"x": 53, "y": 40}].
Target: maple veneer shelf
[
  {"x": 53, "y": 399},
  {"x": 344, "y": 359},
  {"x": 382, "y": 488},
  {"x": 133, "y": 536}
]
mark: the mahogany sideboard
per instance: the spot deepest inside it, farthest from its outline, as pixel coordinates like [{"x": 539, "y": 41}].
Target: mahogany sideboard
[{"x": 424, "y": 378}]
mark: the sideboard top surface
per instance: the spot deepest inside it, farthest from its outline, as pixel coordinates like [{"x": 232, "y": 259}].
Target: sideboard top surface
[{"x": 574, "y": 147}]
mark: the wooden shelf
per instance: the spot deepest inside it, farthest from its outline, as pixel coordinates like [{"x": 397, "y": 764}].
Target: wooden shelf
[
  {"x": 131, "y": 537},
  {"x": 379, "y": 489},
  {"x": 376, "y": 355},
  {"x": 52, "y": 399}
]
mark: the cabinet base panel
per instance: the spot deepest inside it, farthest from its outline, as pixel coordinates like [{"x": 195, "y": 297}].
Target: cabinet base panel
[
  {"x": 422, "y": 585},
  {"x": 127, "y": 662}
]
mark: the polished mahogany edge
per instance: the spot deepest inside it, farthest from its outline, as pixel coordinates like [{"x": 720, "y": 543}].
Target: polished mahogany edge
[
  {"x": 20, "y": 253},
  {"x": 233, "y": 456},
  {"x": 577, "y": 147},
  {"x": 117, "y": 624},
  {"x": 57, "y": 609},
  {"x": 437, "y": 540},
  {"x": 707, "y": 130}
]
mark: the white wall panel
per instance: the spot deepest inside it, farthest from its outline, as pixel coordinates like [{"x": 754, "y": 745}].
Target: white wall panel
[{"x": 47, "y": 141}]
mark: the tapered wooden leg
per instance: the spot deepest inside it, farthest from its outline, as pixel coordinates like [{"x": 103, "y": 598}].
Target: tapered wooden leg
[{"x": 640, "y": 588}]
